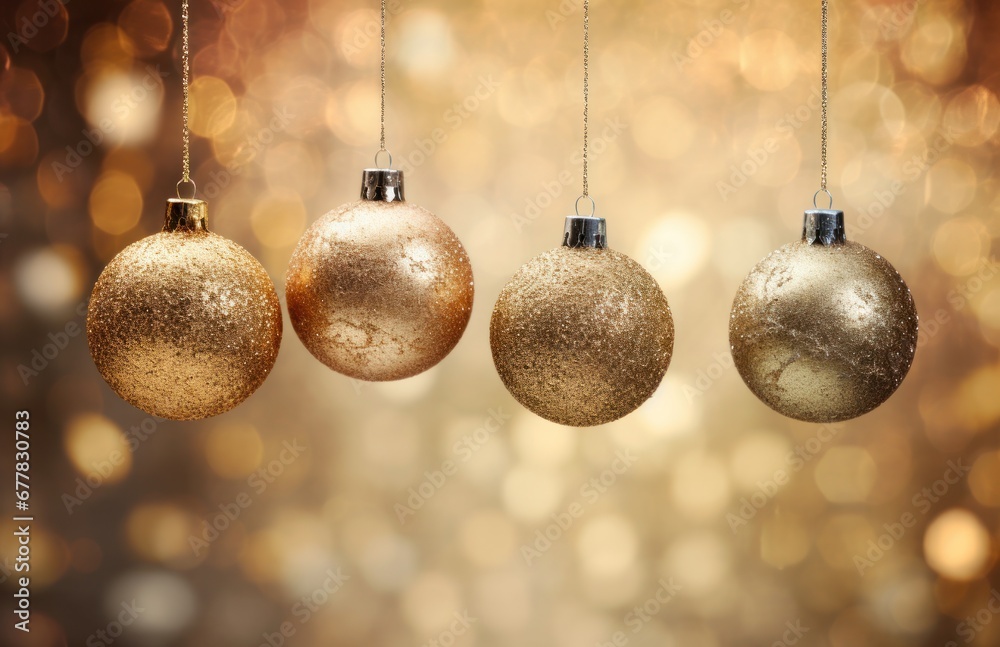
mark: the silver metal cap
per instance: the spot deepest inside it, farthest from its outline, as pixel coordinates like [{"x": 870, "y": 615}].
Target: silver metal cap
[
  {"x": 186, "y": 214},
  {"x": 824, "y": 227},
  {"x": 585, "y": 231},
  {"x": 382, "y": 184}
]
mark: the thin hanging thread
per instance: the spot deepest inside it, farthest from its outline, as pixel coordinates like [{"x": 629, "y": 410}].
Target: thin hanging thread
[
  {"x": 382, "y": 76},
  {"x": 185, "y": 82},
  {"x": 586, "y": 97},
  {"x": 825, "y": 83}
]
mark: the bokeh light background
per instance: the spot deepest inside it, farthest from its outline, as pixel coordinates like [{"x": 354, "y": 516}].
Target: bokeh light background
[{"x": 484, "y": 105}]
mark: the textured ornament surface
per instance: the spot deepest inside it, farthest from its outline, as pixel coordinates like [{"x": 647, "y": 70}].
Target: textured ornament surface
[
  {"x": 184, "y": 325},
  {"x": 379, "y": 290},
  {"x": 823, "y": 333},
  {"x": 582, "y": 336}
]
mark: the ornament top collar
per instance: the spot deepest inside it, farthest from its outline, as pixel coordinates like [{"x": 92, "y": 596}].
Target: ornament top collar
[{"x": 186, "y": 214}]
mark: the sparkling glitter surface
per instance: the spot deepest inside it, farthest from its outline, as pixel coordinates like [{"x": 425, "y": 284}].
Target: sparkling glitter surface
[
  {"x": 184, "y": 325},
  {"x": 582, "y": 336},
  {"x": 379, "y": 291},
  {"x": 823, "y": 333}
]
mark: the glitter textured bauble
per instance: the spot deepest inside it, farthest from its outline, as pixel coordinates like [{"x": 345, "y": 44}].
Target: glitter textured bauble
[
  {"x": 823, "y": 332},
  {"x": 582, "y": 336},
  {"x": 379, "y": 290},
  {"x": 184, "y": 324}
]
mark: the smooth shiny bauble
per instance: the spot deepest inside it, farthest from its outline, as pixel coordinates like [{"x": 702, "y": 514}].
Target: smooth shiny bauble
[
  {"x": 379, "y": 290},
  {"x": 582, "y": 336},
  {"x": 823, "y": 333},
  {"x": 184, "y": 324}
]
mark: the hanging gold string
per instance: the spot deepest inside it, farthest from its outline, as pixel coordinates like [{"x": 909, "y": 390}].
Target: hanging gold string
[
  {"x": 825, "y": 102},
  {"x": 185, "y": 83}
]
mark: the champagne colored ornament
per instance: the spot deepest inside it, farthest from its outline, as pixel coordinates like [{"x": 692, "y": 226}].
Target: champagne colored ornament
[
  {"x": 582, "y": 335},
  {"x": 823, "y": 330},
  {"x": 184, "y": 324},
  {"x": 379, "y": 289}
]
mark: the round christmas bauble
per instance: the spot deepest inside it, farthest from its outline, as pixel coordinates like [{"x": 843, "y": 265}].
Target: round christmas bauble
[
  {"x": 823, "y": 330},
  {"x": 379, "y": 289},
  {"x": 184, "y": 324},
  {"x": 581, "y": 336}
]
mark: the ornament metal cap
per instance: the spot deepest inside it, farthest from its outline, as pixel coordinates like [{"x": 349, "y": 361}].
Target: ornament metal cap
[
  {"x": 824, "y": 227},
  {"x": 585, "y": 231},
  {"x": 382, "y": 185},
  {"x": 186, "y": 214}
]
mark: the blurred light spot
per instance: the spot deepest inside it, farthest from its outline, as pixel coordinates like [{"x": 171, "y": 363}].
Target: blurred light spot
[
  {"x": 935, "y": 50},
  {"x": 293, "y": 166},
  {"x": 957, "y": 545},
  {"x": 388, "y": 562},
  {"x": 115, "y": 203},
  {"x": 784, "y": 541},
  {"x": 846, "y": 474},
  {"x": 606, "y": 546},
  {"x": 541, "y": 442},
  {"x": 487, "y": 538},
  {"x": 146, "y": 26},
  {"x": 233, "y": 450},
  {"x": 663, "y": 128},
  {"x": 22, "y": 93},
  {"x": 699, "y": 485},
  {"x": 960, "y": 245},
  {"x": 169, "y": 603},
  {"x": 983, "y": 481},
  {"x": 278, "y": 219},
  {"x": 531, "y": 493},
  {"x": 973, "y": 116},
  {"x": 951, "y": 184},
  {"x": 758, "y": 456},
  {"x": 669, "y": 411},
  {"x": 122, "y": 108},
  {"x": 424, "y": 43},
  {"x": 769, "y": 60},
  {"x": 160, "y": 532},
  {"x": 213, "y": 106},
  {"x": 49, "y": 279},
  {"x": 98, "y": 449},
  {"x": 40, "y": 26},
  {"x": 504, "y": 600},
  {"x": 700, "y": 561},
  {"x": 674, "y": 249},
  {"x": 430, "y": 602},
  {"x": 102, "y": 49}
]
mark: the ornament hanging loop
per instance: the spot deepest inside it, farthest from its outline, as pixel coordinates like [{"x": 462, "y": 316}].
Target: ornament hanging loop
[
  {"x": 186, "y": 189},
  {"x": 593, "y": 206},
  {"x": 378, "y": 156},
  {"x": 828, "y": 195}
]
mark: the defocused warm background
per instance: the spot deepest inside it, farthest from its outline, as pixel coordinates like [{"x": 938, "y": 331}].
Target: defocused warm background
[{"x": 724, "y": 523}]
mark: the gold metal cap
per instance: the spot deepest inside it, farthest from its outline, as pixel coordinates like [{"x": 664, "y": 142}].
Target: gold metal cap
[{"x": 186, "y": 214}]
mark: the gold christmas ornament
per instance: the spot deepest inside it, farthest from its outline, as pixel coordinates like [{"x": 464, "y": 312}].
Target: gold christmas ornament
[
  {"x": 823, "y": 330},
  {"x": 582, "y": 335},
  {"x": 184, "y": 324},
  {"x": 379, "y": 289}
]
